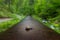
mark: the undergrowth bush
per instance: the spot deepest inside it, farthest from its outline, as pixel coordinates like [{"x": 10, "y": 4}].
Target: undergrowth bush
[{"x": 8, "y": 24}]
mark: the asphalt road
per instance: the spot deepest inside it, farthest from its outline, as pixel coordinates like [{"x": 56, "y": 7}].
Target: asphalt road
[{"x": 29, "y": 29}]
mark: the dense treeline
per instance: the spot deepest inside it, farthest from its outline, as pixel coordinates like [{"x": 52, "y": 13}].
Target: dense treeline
[{"x": 46, "y": 9}]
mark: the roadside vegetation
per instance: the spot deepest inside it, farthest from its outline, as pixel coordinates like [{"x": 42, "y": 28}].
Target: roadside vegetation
[{"x": 45, "y": 11}]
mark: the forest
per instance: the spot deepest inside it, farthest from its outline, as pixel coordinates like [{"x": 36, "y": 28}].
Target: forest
[{"x": 45, "y": 11}]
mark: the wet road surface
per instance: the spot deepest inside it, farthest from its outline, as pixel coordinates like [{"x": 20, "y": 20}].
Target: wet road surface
[{"x": 29, "y": 29}]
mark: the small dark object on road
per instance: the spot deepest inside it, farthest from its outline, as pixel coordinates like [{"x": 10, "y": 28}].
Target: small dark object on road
[{"x": 38, "y": 31}]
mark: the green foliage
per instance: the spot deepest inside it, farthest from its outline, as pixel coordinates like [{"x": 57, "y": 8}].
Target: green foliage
[
  {"x": 8, "y": 24},
  {"x": 45, "y": 9},
  {"x": 50, "y": 24}
]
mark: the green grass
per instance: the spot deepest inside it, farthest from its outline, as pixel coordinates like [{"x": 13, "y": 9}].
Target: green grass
[
  {"x": 8, "y": 24},
  {"x": 7, "y": 15},
  {"x": 48, "y": 24}
]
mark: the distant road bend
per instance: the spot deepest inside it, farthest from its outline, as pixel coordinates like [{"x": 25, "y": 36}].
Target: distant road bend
[{"x": 29, "y": 29}]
